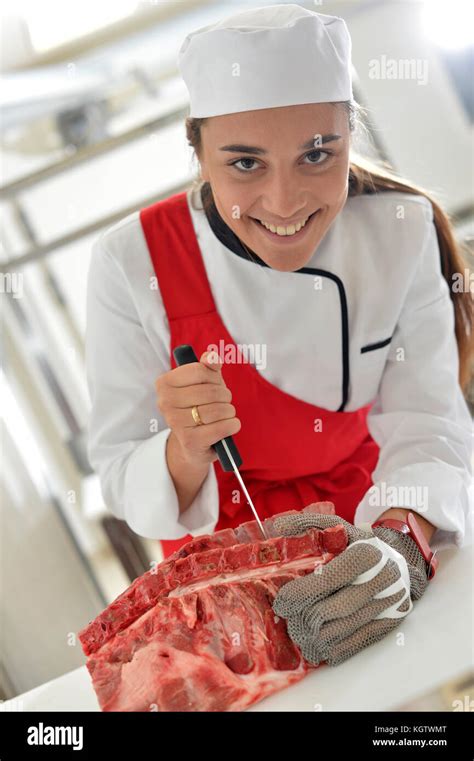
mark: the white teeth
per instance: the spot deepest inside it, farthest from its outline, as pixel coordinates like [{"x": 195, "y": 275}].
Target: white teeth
[{"x": 280, "y": 230}]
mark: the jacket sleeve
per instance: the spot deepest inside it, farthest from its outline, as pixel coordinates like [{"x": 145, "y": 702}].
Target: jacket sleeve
[
  {"x": 420, "y": 418},
  {"x": 127, "y": 436}
]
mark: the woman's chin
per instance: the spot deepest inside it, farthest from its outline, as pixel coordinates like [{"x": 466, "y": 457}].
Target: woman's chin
[
  {"x": 284, "y": 260},
  {"x": 287, "y": 264}
]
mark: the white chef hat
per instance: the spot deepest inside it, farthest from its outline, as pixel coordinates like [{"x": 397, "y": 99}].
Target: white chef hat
[{"x": 278, "y": 55}]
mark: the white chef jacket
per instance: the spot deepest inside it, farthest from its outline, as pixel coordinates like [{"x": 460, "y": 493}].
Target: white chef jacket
[{"x": 384, "y": 260}]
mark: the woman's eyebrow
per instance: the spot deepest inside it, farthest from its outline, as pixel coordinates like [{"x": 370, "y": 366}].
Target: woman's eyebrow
[{"x": 239, "y": 148}]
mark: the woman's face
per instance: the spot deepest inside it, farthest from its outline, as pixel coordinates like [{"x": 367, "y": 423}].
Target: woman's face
[{"x": 280, "y": 166}]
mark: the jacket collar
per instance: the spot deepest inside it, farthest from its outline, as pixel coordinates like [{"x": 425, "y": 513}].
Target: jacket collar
[{"x": 223, "y": 232}]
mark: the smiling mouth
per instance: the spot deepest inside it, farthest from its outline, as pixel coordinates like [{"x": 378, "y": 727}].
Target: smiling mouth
[{"x": 285, "y": 232}]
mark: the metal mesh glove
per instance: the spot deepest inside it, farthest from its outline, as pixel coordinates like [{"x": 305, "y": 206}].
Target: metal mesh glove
[{"x": 357, "y": 598}]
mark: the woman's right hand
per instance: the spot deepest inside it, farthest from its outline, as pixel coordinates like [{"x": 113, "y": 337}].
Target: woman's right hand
[{"x": 197, "y": 384}]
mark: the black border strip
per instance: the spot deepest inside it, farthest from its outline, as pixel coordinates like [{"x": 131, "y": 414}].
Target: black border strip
[
  {"x": 113, "y": 734},
  {"x": 378, "y": 345}
]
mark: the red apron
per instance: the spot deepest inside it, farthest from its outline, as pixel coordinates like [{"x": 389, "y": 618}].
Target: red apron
[{"x": 288, "y": 460}]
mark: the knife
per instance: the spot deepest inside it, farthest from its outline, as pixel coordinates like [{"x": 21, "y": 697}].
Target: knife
[{"x": 226, "y": 450}]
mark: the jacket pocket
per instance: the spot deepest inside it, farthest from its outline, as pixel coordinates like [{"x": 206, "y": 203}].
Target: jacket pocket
[
  {"x": 375, "y": 346},
  {"x": 371, "y": 366}
]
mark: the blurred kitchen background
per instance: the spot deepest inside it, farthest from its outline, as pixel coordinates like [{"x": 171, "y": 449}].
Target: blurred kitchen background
[{"x": 92, "y": 128}]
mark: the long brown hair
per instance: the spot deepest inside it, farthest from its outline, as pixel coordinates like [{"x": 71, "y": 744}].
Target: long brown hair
[{"x": 368, "y": 177}]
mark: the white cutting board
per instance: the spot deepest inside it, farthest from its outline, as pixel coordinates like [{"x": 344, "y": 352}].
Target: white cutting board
[{"x": 438, "y": 646}]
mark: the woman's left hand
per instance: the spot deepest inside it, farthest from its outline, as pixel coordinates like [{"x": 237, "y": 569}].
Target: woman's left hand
[{"x": 357, "y": 598}]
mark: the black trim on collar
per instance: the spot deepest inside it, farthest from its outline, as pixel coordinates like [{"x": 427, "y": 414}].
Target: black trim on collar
[{"x": 230, "y": 240}]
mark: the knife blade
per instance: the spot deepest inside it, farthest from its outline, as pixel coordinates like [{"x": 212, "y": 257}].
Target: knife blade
[{"x": 226, "y": 449}]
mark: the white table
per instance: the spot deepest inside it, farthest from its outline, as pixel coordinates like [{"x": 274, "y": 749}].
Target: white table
[{"x": 438, "y": 646}]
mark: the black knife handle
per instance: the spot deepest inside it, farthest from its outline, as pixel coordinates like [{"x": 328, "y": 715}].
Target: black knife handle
[{"x": 184, "y": 355}]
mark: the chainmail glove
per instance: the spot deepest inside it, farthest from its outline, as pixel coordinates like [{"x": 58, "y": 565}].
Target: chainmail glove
[{"x": 357, "y": 598}]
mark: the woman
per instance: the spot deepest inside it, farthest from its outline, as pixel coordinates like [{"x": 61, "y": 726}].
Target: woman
[{"x": 334, "y": 279}]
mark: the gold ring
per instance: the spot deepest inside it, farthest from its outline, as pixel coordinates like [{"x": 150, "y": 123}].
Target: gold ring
[{"x": 196, "y": 416}]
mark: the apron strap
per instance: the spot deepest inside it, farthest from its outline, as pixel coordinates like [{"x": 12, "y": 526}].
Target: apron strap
[{"x": 176, "y": 258}]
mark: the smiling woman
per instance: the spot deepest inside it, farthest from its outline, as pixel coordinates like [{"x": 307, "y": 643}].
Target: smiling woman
[
  {"x": 342, "y": 272},
  {"x": 278, "y": 176},
  {"x": 333, "y": 177}
]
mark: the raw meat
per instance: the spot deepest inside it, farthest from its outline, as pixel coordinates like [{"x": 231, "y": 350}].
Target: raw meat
[{"x": 198, "y": 633}]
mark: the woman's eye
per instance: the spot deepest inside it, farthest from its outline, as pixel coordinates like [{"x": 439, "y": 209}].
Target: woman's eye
[
  {"x": 318, "y": 154},
  {"x": 241, "y": 161}
]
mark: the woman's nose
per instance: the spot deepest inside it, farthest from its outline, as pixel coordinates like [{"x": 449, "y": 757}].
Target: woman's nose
[{"x": 285, "y": 198}]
